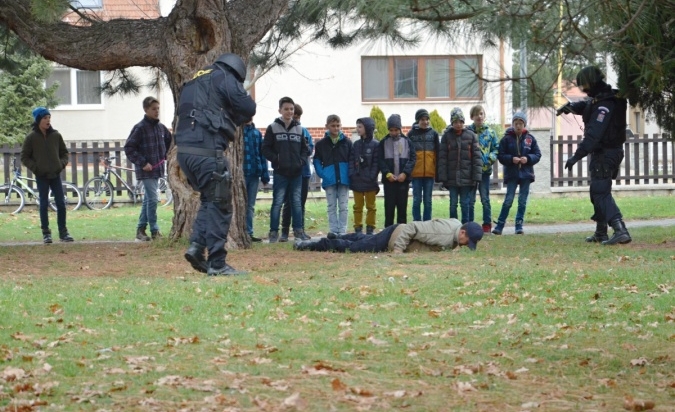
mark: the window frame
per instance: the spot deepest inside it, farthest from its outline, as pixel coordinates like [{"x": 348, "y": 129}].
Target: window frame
[
  {"x": 81, "y": 5},
  {"x": 421, "y": 78},
  {"x": 73, "y": 105}
]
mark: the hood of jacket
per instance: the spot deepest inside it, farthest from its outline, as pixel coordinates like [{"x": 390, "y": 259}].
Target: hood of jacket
[{"x": 369, "y": 125}]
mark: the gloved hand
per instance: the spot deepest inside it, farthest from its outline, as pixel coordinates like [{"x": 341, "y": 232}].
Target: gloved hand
[
  {"x": 571, "y": 162},
  {"x": 566, "y": 109},
  {"x": 264, "y": 181}
]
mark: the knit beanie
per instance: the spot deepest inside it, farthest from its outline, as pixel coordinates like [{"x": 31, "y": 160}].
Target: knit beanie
[
  {"x": 456, "y": 114},
  {"x": 519, "y": 115},
  {"x": 394, "y": 121},
  {"x": 39, "y": 113},
  {"x": 420, "y": 114}
]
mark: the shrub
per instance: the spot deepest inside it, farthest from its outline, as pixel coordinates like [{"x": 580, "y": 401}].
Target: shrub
[
  {"x": 437, "y": 122},
  {"x": 380, "y": 122}
]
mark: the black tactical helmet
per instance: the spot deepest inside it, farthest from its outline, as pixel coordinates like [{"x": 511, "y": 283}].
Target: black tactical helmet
[
  {"x": 235, "y": 63},
  {"x": 589, "y": 76}
]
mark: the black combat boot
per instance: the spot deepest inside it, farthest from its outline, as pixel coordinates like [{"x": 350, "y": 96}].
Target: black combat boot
[
  {"x": 195, "y": 255},
  {"x": 370, "y": 230},
  {"x": 47, "y": 236},
  {"x": 620, "y": 233},
  {"x": 600, "y": 234},
  {"x": 225, "y": 270},
  {"x": 358, "y": 229}
]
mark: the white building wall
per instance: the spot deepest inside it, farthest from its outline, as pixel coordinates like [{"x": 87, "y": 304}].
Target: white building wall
[
  {"x": 115, "y": 117},
  {"x": 325, "y": 81}
]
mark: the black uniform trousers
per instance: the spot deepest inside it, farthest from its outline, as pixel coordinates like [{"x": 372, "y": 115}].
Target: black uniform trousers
[
  {"x": 603, "y": 168},
  {"x": 395, "y": 202},
  {"x": 212, "y": 223},
  {"x": 355, "y": 242}
]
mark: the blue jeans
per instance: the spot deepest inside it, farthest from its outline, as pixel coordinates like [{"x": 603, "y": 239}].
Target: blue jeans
[
  {"x": 523, "y": 193},
  {"x": 251, "y": 194},
  {"x": 337, "y": 197},
  {"x": 281, "y": 185},
  {"x": 43, "y": 186},
  {"x": 149, "y": 206},
  {"x": 422, "y": 188},
  {"x": 461, "y": 195},
  {"x": 484, "y": 190}
]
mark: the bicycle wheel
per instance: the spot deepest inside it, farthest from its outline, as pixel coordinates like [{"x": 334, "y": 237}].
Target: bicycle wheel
[
  {"x": 165, "y": 196},
  {"x": 72, "y": 197},
  {"x": 11, "y": 201},
  {"x": 98, "y": 194}
]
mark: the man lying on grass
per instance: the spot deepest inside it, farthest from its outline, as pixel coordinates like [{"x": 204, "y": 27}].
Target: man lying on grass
[{"x": 432, "y": 235}]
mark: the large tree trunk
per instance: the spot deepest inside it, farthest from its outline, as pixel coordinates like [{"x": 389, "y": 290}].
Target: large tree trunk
[{"x": 194, "y": 34}]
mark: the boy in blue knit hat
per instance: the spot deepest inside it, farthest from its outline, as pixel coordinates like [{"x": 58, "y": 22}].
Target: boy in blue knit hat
[
  {"x": 44, "y": 153},
  {"x": 518, "y": 152}
]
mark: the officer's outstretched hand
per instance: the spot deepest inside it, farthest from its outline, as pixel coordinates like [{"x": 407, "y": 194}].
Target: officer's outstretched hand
[
  {"x": 564, "y": 109},
  {"x": 570, "y": 163}
]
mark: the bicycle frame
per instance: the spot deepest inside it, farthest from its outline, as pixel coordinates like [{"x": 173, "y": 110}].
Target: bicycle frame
[
  {"x": 110, "y": 169},
  {"x": 20, "y": 181}
]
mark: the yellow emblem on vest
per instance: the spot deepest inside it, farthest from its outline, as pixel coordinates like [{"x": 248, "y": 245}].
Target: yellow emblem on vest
[{"x": 201, "y": 73}]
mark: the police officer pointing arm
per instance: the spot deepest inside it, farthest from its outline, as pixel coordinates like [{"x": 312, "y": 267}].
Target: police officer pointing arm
[
  {"x": 210, "y": 108},
  {"x": 604, "y": 115}
]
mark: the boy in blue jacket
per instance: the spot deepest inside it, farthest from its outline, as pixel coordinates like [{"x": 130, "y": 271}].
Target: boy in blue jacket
[
  {"x": 255, "y": 171},
  {"x": 331, "y": 162},
  {"x": 518, "y": 152}
]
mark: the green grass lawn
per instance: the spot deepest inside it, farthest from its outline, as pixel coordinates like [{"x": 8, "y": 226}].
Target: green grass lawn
[
  {"x": 119, "y": 223},
  {"x": 534, "y": 322}
]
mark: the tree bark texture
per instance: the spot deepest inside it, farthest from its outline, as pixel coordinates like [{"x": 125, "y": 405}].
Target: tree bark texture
[{"x": 192, "y": 36}]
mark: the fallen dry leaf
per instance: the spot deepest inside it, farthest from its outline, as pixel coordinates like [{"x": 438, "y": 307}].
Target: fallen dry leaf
[
  {"x": 338, "y": 385},
  {"x": 631, "y": 404}
]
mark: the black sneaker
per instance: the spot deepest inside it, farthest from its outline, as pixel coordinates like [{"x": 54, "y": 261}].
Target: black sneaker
[
  {"x": 255, "y": 239},
  {"x": 47, "y": 237},
  {"x": 284, "y": 236},
  {"x": 301, "y": 235},
  {"x": 66, "y": 237},
  {"x": 273, "y": 237},
  {"x": 332, "y": 235}
]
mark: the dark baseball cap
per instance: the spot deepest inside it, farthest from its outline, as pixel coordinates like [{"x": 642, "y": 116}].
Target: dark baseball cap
[{"x": 475, "y": 233}]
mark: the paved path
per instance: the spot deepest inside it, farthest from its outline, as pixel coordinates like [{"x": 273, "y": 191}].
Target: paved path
[
  {"x": 508, "y": 230},
  {"x": 584, "y": 227}
]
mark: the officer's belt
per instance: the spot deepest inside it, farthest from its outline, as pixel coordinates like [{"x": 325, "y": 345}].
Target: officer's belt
[{"x": 198, "y": 151}]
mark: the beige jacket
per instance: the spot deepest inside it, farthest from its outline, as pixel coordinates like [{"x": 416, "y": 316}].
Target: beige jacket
[{"x": 434, "y": 235}]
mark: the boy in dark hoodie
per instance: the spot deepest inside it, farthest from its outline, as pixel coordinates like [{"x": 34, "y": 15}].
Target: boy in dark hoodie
[
  {"x": 396, "y": 157},
  {"x": 363, "y": 171}
]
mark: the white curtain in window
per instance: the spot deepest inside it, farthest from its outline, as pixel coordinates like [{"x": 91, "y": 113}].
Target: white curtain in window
[
  {"x": 88, "y": 87},
  {"x": 466, "y": 82},
  {"x": 376, "y": 78},
  {"x": 62, "y": 77},
  {"x": 405, "y": 78},
  {"x": 437, "y": 77}
]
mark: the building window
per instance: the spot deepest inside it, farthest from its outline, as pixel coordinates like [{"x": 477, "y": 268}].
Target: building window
[
  {"x": 87, "y": 4},
  {"x": 421, "y": 78},
  {"x": 76, "y": 87}
]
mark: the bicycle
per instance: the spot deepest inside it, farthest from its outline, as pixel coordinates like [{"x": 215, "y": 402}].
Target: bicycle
[
  {"x": 99, "y": 194},
  {"x": 13, "y": 195}
]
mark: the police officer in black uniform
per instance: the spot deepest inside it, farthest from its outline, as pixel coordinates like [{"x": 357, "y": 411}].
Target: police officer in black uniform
[
  {"x": 210, "y": 108},
  {"x": 604, "y": 116}
]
